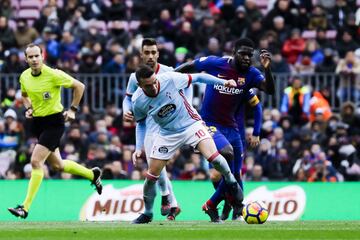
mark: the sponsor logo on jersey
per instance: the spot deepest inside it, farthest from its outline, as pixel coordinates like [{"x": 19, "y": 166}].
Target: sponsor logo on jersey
[
  {"x": 166, "y": 110},
  {"x": 228, "y": 90},
  {"x": 241, "y": 81},
  {"x": 163, "y": 149}
]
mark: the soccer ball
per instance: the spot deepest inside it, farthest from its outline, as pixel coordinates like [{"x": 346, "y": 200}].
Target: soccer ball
[{"x": 255, "y": 213}]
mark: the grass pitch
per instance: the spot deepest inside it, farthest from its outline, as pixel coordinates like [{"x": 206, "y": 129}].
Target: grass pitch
[{"x": 325, "y": 230}]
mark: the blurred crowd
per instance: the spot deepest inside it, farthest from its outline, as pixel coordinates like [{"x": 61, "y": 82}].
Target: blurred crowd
[{"x": 303, "y": 140}]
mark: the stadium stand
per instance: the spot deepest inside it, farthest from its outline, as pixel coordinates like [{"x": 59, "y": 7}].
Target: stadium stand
[{"x": 318, "y": 150}]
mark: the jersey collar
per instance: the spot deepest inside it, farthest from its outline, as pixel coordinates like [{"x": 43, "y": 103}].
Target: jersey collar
[{"x": 157, "y": 69}]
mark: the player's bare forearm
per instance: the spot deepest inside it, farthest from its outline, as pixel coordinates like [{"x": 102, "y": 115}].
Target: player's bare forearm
[
  {"x": 78, "y": 88},
  {"x": 211, "y": 80},
  {"x": 268, "y": 85},
  {"x": 26, "y": 100},
  {"x": 188, "y": 67}
]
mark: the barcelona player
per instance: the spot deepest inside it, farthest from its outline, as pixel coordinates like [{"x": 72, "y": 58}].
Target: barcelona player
[{"x": 221, "y": 105}]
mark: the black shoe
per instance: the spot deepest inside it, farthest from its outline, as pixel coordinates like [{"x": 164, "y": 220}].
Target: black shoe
[
  {"x": 237, "y": 213},
  {"x": 235, "y": 195},
  {"x": 97, "y": 179},
  {"x": 165, "y": 205},
  {"x": 174, "y": 211},
  {"x": 19, "y": 211},
  {"x": 142, "y": 219},
  {"x": 226, "y": 211},
  {"x": 213, "y": 213}
]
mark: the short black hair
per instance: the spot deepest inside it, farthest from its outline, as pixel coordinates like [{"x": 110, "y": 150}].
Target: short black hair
[
  {"x": 148, "y": 42},
  {"x": 243, "y": 42},
  {"x": 143, "y": 71},
  {"x": 31, "y": 45}
]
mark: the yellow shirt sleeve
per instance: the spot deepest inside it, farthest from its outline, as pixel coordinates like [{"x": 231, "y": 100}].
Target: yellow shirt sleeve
[
  {"x": 22, "y": 88},
  {"x": 63, "y": 79}
]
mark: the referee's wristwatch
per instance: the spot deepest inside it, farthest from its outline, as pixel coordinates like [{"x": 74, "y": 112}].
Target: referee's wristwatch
[{"x": 74, "y": 108}]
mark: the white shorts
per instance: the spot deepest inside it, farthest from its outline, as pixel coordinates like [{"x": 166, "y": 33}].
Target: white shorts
[
  {"x": 165, "y": 146},
  {"x": 148, "y": 144}
]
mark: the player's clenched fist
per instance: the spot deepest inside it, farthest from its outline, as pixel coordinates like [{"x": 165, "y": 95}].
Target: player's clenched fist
[
  {"x": 29, "y": 112},
  {"x": 69, "y": 115},
  {"x": 128, "y": 116},
  {"x": 265, "y": 58},
  {"x": 254, "y": 141},
  {"x": 230, "y": 83}
]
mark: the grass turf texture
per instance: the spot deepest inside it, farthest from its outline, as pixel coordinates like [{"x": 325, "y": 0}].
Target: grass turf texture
[{"x": 179, "y": 230}]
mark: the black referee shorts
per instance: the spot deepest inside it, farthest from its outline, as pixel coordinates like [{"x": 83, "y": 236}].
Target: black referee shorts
[{"x": 49, "y": 130}]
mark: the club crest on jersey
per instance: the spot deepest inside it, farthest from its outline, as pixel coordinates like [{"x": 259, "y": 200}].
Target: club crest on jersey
[
  {"x": 168, "y": 94},
  {"x": 163, "y": 149},
  {"x": 241, "y": 81},
  {"x": 166, "y": 110},
  {"x": 46, "y": 96}
]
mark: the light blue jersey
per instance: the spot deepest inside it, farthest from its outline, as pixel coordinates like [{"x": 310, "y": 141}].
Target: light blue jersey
[
  {"x": 151, "y": 126},
  {"x": 169, "y": 109}
]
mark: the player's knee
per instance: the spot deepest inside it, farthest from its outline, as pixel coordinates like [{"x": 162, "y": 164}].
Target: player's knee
[
  {"x": 35, "y": 164},
  {"x": 215, "y": 176},
  {"x": 228, "y": 153},
  {"x": 151, "y": 177},
  {"x": 57, "y": 167}
]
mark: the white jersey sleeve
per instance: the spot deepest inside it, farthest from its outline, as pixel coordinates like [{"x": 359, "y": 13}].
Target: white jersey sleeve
[
  {"x": 132, "y": 85},
  {"x": 180, "y": 80},
  {"x": 138, "y": 106}
]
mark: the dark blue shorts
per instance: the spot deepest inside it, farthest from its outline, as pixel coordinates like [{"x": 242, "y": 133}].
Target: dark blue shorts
[{"x": 224, "y": 136}]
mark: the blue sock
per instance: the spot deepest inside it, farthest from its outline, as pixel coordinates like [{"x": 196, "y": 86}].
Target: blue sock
[
  {"x": 216, "y": 184},
  {"x": 218, "y": 195},
  {"x": 149, "y": 194}
]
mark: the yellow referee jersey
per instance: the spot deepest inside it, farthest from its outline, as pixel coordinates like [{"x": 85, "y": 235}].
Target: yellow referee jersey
[{"x": 44, "y": 90}]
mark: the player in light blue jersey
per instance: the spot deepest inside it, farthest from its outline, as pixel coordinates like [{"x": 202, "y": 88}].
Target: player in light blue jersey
[
  {"x": 149, "y": 56},
  {"x": 161, "y": 97}
]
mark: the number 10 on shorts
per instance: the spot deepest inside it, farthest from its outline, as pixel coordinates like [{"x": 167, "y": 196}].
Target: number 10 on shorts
[{"x": 200, "y": 133}]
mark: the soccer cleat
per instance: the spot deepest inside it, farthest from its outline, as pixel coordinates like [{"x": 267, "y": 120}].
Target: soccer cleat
[
  {"x": 174, "y": 211},
  {"x": 213, "y": 213},
  {"x": 226, "y": 211},
  {"x": 19, "y": 211},
  {"x": 235, "y": 195},
  {"x": 97, "y": 179},
  {"x": 142, "y": 219},
  {"x": 237, "y": 213},
  {"x": 165, "y": 205}
]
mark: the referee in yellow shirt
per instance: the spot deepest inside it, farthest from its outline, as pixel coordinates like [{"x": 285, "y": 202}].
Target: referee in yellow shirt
[{"x": 41, "y": 92}]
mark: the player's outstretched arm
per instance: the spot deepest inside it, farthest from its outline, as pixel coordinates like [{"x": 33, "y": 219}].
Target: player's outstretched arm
[
  {"x": 268, "y": 85},
  {"x": 188, "y": 67},
  {"x": 211, "y": 80}
]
